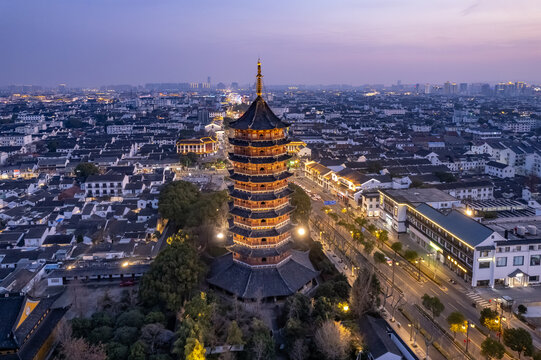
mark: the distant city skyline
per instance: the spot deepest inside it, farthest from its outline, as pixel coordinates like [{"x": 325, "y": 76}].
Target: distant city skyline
[{"x": 92, "y": 44}]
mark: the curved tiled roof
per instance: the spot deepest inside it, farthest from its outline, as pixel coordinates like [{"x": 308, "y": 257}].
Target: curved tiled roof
[
  {"x": 248, "y": 282},
  {"x": 259, "y": 116}
]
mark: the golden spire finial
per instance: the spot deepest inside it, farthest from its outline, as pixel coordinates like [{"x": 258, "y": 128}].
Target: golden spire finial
[{"x": 259, "y": 86}]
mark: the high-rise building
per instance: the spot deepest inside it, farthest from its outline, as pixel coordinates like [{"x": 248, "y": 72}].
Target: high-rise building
[
  {"x": 261, "y": 263},
  {"x": 463, "y": 88},
  {"x": 447, "y": 88}
]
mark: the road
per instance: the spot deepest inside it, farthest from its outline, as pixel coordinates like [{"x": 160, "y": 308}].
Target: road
[{"x": 406, "y": 278}]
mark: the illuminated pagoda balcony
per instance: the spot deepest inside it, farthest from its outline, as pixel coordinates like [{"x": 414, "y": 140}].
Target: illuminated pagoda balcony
[
  {"x": 260, "y": 205},
  {"x": 259, "y": 143}
]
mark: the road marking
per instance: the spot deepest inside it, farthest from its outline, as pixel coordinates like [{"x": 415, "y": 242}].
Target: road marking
[{"x": 478, "y": 299}]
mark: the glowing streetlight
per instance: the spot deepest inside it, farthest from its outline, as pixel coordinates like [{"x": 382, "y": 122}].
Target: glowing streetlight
[
  {"x": 301, "y": 231},
  {"x": 469, "y": 212},
  {"x": 220, "y": 235},
  {"x": 125, "y": 264}
]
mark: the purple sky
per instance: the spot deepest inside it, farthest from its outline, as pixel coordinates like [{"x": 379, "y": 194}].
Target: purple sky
[{"x": 97, "y": 42}]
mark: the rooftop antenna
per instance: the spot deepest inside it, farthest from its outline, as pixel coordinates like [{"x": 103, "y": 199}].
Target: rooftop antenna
[{"x": 259, "y": 85}]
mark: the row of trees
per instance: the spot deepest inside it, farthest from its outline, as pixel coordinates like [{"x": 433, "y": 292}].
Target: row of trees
[{"x": 517, "y": 339}]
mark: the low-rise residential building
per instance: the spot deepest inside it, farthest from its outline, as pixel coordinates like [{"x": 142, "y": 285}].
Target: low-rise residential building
[
  {"x": 105, "y": 185},
  {"x": 370, "y": 204},
  {"x": 499, "y": 170},
  {"x": 469, "y": 190}
]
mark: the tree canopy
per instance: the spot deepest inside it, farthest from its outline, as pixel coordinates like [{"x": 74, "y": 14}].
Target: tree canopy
[
  {"x": 173, "y": 275},
  {"x": 182, "y": 203},
  {"x": 303, "y": 206},
  {"x": 456, "y": 321},
  {"x": 490, "y": 319},
  {"x": 433, "y": 304},
  {"x": 519, "y": 340},
  {"x": 492, "y": 349},
  {"x": 85, "y": 169}
]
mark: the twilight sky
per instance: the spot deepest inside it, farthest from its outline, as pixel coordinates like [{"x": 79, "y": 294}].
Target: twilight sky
[{"x": 98, "y": 42}]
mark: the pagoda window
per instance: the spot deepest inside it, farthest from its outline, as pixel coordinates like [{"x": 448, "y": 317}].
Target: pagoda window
[
  {"x": 262, "y": 203},
  {"x": 263, "y": 221},
  {"x": 262, "y": 169},
  {"x": 264, "y": 240},
  {"x": 264, "y": 259}
]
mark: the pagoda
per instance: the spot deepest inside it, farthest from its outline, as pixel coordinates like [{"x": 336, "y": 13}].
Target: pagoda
[{"x": 261, "y": 263}]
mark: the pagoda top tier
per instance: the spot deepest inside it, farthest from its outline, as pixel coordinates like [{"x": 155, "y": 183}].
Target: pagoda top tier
[{"x": 259, "y": 116}]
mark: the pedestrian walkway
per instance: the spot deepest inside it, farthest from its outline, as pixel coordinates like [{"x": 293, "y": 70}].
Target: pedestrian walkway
[{"x": 478, "y": 299}]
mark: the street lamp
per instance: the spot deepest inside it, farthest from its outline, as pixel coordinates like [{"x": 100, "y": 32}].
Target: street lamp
[
  {"x": 220, "y": 235},
  {"x": 418, "y": 262},
  {"x": 467, "y": 327},
  {"x": 411, "y": 331},
  {"x": 301, "y": 231}
]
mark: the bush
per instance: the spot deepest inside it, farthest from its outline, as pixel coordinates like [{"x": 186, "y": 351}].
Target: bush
[
  {"x": 126, "y": 335},
  {"x": 101, "y": 334},
  {"x": 132, "y": 318}
]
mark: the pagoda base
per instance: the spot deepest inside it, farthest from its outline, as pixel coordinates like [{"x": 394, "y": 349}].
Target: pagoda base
[{"x": 292, "y": 275}]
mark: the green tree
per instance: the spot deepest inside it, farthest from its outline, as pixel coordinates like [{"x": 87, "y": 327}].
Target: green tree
[
  {"x": 52, "y": 145},
  {"x": 117, "y": 351},
  {"x": 81, "y": 327},
  {"x": 384, "y": 236},
  {"x": 102, "y": 334},
  {"x": 154, "y": 317},
  {"x": 261, "y": 344},
  {"x": 126, "y": 335},
  {"x": 188, "y": 159},
  {"x": 85, "y": 169},
  {"x": 492, "y": 349},
  {"x": 234, "y": 334},
  {"x": 137, "y": 351},
  {"x": 445, "y": 176},
  {"x": 176, "y": 201},
  {"x": 173, "y": 275},
  {"x": 133, "y": 318},
  {"x": 411, "y": 255},
  {"x": 206, "y": 210},
  {"x": 456, "y": 321},
  {"x": 522, "y": 309},
  {"x": 396, "y": 247},
  {"x": 379, "y": 257},
  {"x": 519, "y": 340},
  {"x": 490, "y": 319},
  {"x": 182, "y": 203},
  {"x": 433, "y": 304},
  {"x": 303, "y": 206}
]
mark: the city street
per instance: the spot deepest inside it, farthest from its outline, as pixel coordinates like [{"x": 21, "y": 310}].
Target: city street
[{"x": 455, "y": 297}]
